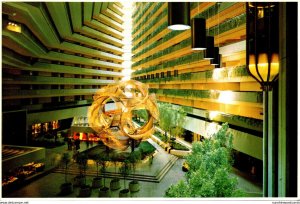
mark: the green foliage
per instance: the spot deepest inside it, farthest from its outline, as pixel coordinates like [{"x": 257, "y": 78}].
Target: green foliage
[
  {"x": 227, "y": 25},
  {"x": 125, "y": 170},
  {"x": 146, "y": 148},
  {"x": 245, "y": 96},
  {"x": 134, "y": 158},
  {"x": 166, "y": 51},
  {"x": 162, "y": 137},
  {"x": 209, "y": 167},
  {"x": 65, "y": 159},
  {"x": 179, "y": 146},
  {"x": 115, "y": 160},
  {"x": 97, "y": 159},
  {"x": 103, "y": 161},
  {"x": 165, "y": 116},
  {"x": 142, "y": 113},
  {"x": 171, "y": 118},
  {"x": 82, "y": 163}
]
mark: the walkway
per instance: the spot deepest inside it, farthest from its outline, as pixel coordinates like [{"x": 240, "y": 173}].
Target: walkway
[{"x": 49, "y": 185}]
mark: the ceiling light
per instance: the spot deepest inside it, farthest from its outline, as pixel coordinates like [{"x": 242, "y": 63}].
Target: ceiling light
[
  {"x": 198, "y": 34},
  {"x": 179, "y": 15}
]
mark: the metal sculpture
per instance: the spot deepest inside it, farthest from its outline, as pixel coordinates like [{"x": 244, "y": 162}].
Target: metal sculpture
[{"x": 115, "y": 127}]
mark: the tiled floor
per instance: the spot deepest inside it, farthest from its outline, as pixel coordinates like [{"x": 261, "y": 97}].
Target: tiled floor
[{"x": 49, "y": 185}]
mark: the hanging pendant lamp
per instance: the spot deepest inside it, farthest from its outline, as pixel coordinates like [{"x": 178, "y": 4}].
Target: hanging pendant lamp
[
  {"x": 198, "y": 34},
  {"x": 179, "y": 15},
  {"x": 209, "y": 52},
  {"x": 219, "y": 61},
  {"x": 217, "y": 58}
]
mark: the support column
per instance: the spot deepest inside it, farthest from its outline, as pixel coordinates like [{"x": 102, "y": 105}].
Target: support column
[
  {"x": 271, "y": 147},
  {"x": 288, "y": 102},
  {"x": 282, "y": 104},
  {"x": 265, "y": 144}
]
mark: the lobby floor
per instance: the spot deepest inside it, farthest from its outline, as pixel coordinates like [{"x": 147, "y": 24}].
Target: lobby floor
[{"x": 48, "y": 186}]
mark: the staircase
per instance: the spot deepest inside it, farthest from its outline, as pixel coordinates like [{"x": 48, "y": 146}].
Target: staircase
[{"x": 156, "y": 178}]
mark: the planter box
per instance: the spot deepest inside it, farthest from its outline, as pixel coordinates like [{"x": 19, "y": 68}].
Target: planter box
[
  {"x": 79, "y": 180},
  {"x": 115, "y": 184},
  {"x": 125, "y": 193},
  {"x": 179, "y": 153},
  {"x": 85, "y": 191},
  {"x": 66, "y": 188},
  {"x": 104, "y": 192},
  {"x": 134, "y": 186},
  {"x": 97, "y": 182}
]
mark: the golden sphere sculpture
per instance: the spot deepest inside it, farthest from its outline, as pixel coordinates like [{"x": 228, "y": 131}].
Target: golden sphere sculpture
[{"x": 115, "y": 127}]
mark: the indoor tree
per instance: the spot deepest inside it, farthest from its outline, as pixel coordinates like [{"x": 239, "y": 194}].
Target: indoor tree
[
  {"x": 171, "y": 119},
  {"x": 85, "y": 190},
  {"x": 134, "y": 158},
  {"x": 115, "y": 182},
  {"x": 124, "y": 170},
  {"x": 97, "y": 181},
  {"x": 67, "y": 187},
  {"x": 141, "y": 114},
  {"x": 103, "y": 161},
  {"x": 209, "y": 169}
]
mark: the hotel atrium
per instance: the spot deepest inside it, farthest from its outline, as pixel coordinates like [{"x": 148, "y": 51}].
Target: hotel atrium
[{"x": 218, "y": 117}]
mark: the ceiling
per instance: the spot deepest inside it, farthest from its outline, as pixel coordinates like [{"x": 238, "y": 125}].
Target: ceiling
[{"x": 87, "y": 33}]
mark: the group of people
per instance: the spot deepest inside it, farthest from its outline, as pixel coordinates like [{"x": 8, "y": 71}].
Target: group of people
[{"x": 73, "y": 144}]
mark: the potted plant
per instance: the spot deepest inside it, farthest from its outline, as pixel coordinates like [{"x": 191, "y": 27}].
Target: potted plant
[
  {"x": 97, "y": 181},
  {"x": 85, "y": 190},
  {"x": 124, "y": 170},
  {"x": 79, "y": 180},
  {"x": 67, "y": 187},
  {"x": 104, "y": 191},
  {"x": 115, "y": 182},
  {"x": 134, "y": 158}
]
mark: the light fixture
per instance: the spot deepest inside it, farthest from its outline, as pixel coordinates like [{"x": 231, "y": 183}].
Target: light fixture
[
  {"x": 217, "y": 58},
  {"x": 15, "y": 27},
  {"x": 209, "y": 52},
  {"x": 262, "y": 46},
  {"x": 263, "y": 43},
  {"x": 179, "y": 15},
  {"x": 198, "y": 34}
]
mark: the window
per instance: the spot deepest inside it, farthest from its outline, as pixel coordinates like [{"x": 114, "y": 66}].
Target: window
[
  {"x": 162, "y": 75},
  {"x": 168, "y": 73},
  {"x": 175, "y": 73}
]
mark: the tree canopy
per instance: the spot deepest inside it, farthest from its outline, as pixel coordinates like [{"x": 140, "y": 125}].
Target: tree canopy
[
  {"x": 209, "y": 169},
  {"x": 171, "y": 118}
]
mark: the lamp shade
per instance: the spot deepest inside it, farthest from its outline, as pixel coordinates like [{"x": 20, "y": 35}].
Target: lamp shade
[
  {"x": 262, "y": 43},
  {"x": 179, "y": 15},
  {"x": 216, "y": 59},
  {"x": 198, "y": 34},
  {"x": 209, "y": 52},
  {"x": 219, "y": 61}
]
